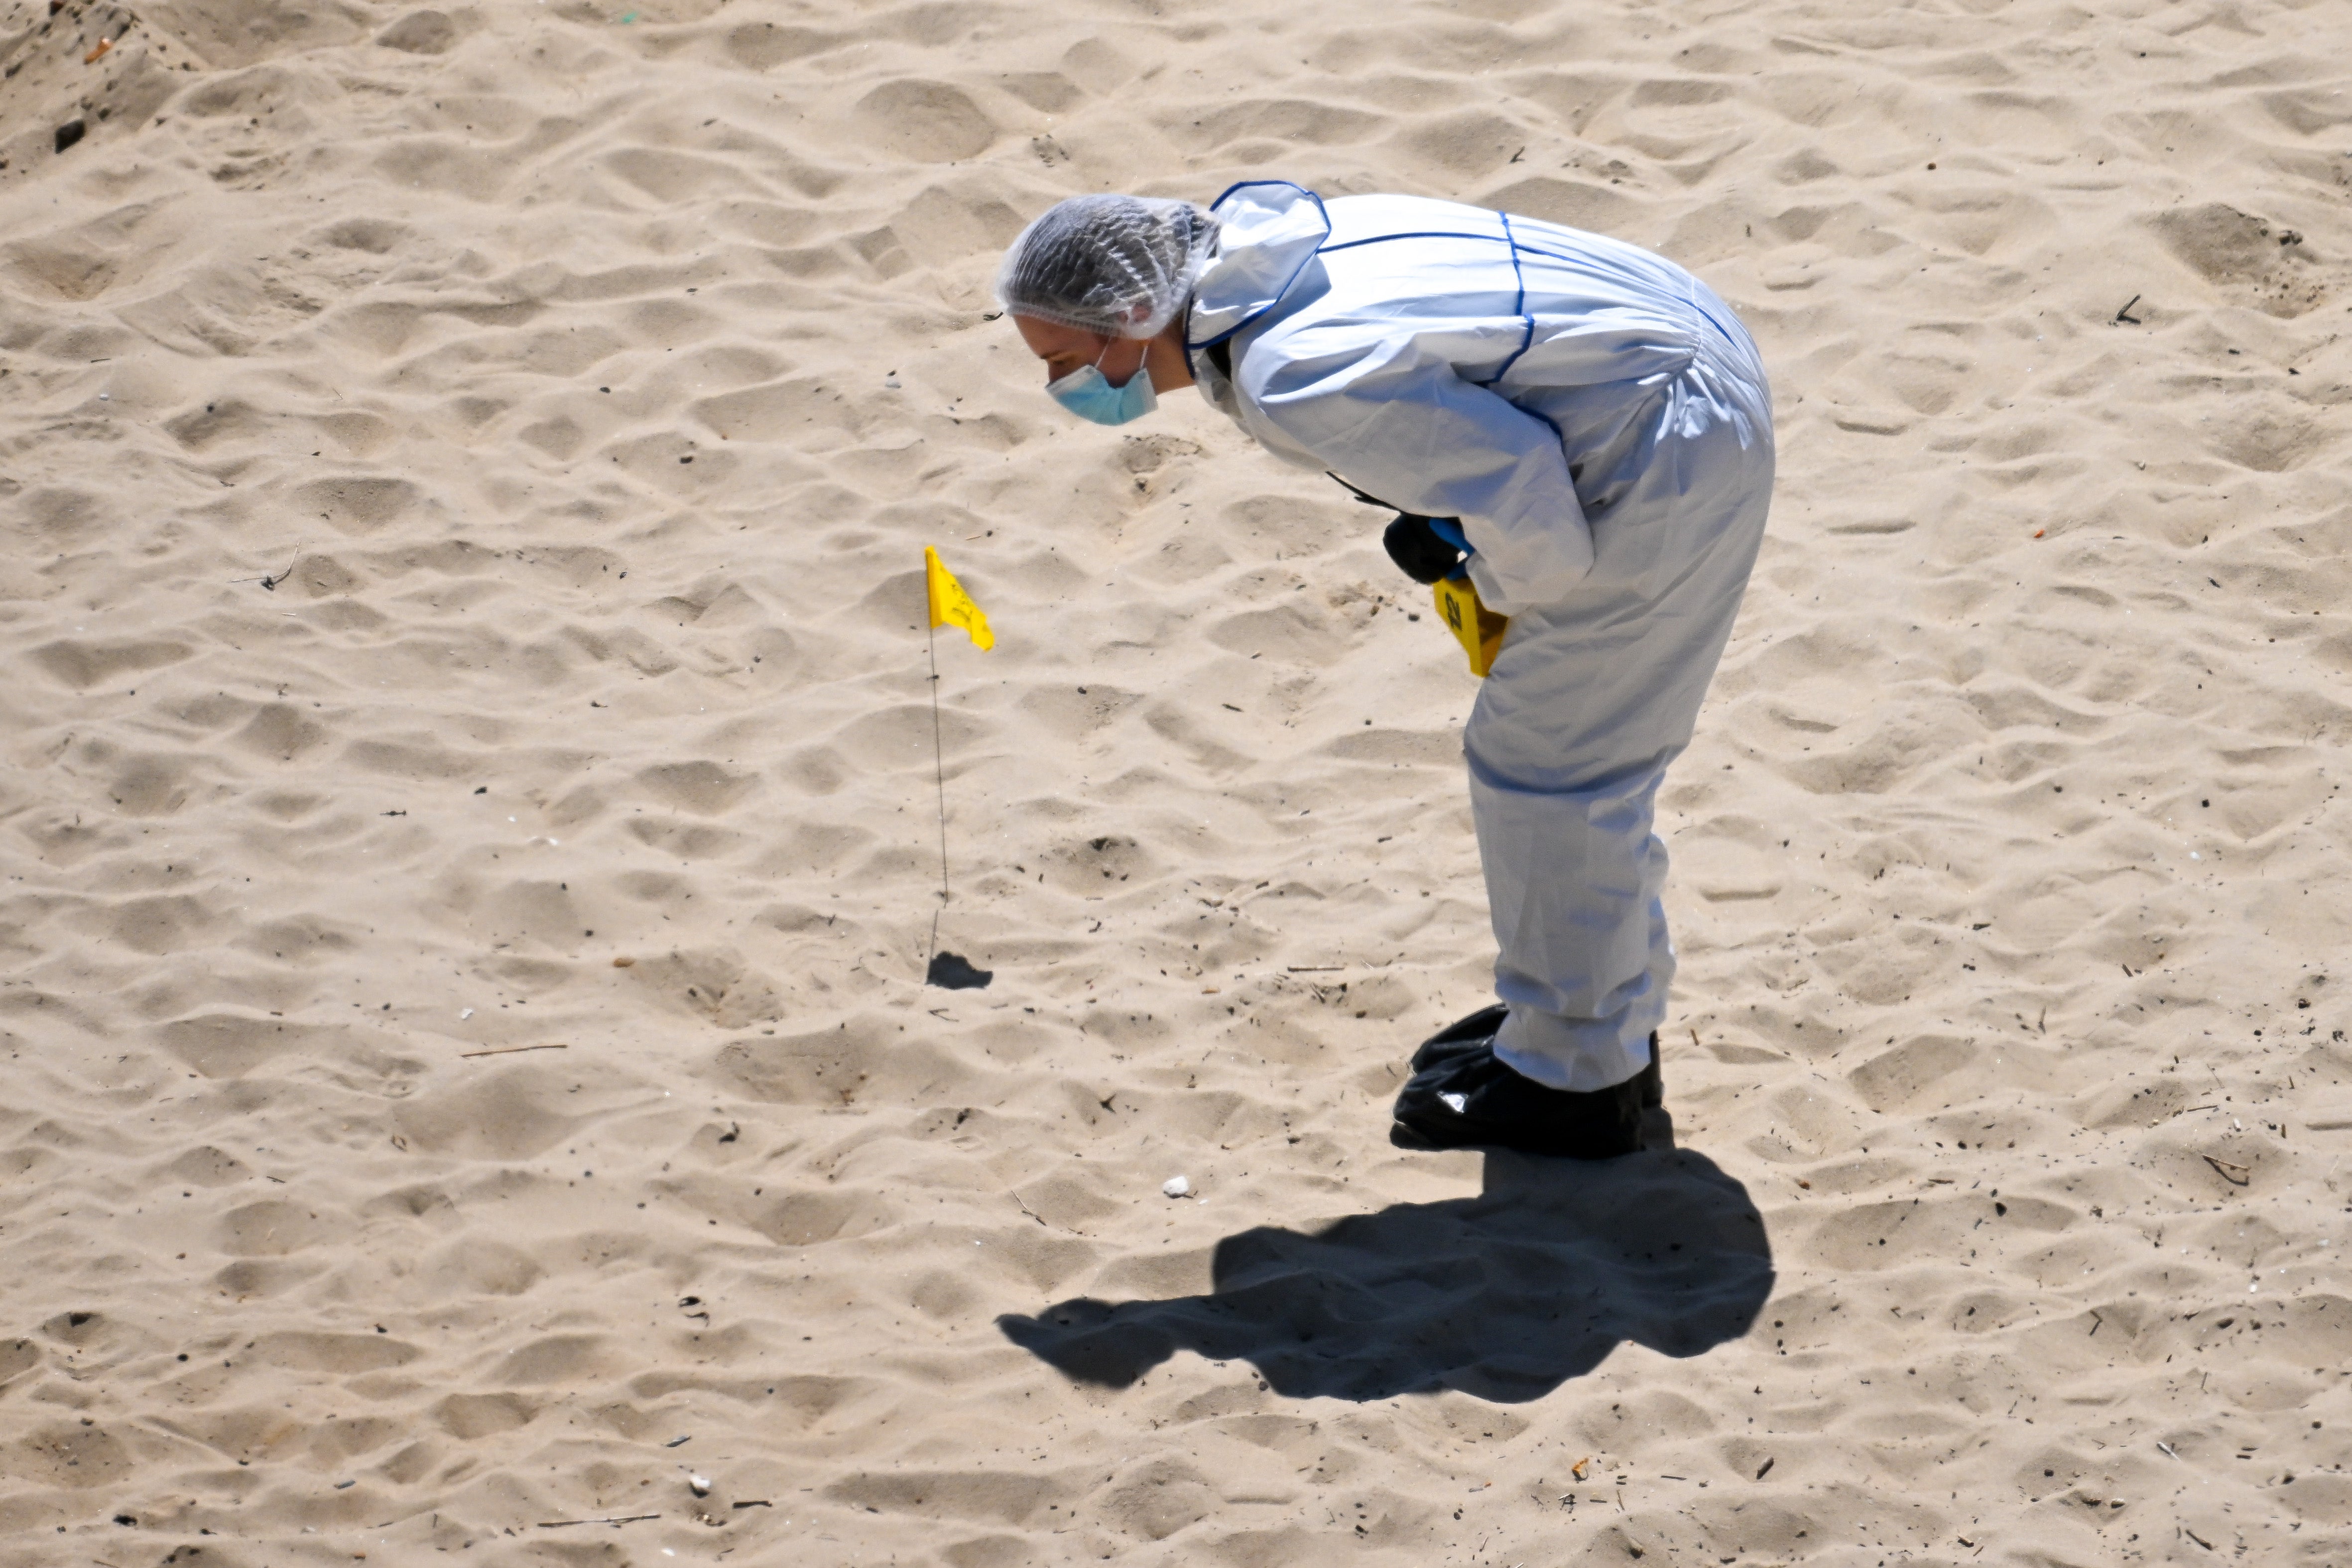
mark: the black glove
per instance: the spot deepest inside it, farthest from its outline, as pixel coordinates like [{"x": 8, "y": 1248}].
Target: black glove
[{"x": 1421, "y": 552}]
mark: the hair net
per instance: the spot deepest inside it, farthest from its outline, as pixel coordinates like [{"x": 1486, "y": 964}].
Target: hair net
[{"x": 1119, "y": 266}]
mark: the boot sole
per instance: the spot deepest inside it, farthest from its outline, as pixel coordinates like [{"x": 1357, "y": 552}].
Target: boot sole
[{"x": 1405, "y": 1136}]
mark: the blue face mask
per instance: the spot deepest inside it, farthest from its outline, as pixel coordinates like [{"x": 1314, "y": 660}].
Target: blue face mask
[{"x": 1088, "y": 393}]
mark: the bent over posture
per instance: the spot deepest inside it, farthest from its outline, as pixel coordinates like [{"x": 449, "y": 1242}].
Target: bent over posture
[{"x": 1580, "y": 427}]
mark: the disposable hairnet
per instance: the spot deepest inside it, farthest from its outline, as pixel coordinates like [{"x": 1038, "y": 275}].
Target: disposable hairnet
[{"x": 1119, "y": 266}]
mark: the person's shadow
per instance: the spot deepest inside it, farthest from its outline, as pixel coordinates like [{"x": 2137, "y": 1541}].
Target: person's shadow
[{"x": 1504, "y": 1296}]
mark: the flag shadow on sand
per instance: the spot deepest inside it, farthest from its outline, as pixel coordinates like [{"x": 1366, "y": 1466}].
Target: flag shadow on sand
[{"x": 1504, "y": 1296}]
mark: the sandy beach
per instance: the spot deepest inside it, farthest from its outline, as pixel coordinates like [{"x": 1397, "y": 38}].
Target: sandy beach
[{"x": 469, "y": 840}]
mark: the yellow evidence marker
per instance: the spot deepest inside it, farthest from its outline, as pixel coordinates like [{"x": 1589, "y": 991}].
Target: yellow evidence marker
[
  {"x": 1479, "y": 628},
  {"x": 951, "y": 605}
]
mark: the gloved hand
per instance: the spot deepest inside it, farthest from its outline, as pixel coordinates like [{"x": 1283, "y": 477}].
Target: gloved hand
[
  {"x": 1426, "y": 550},
  {"x": 1421, "y": 549}
]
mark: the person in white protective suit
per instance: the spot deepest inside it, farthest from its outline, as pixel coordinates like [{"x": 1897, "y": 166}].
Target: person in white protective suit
[{"x": 1581, "y": 427}]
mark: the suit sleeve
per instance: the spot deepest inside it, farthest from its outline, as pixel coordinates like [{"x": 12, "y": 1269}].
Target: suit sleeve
[{"x": 1399, "y": 422}]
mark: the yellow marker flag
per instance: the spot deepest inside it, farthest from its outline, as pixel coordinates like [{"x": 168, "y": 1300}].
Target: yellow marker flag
[
  {"x": 951, "y": 605},
  {"x": 1479, "y": 628}
]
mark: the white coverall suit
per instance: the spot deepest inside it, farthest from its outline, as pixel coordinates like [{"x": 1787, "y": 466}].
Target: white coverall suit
[{"x": 1598, "y": 421}]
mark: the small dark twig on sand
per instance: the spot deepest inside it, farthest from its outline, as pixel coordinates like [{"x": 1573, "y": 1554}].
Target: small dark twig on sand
[
  {"x": 271, "y": 583},
  {"x": 2245, "y": 1173}
]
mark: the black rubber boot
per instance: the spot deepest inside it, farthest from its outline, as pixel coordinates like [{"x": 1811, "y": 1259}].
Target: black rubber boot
[
  {"x": 1466, "y": 1099},
  {"x": 1476, "y": 1033}
]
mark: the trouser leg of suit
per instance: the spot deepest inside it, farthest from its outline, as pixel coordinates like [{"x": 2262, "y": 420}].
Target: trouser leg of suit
[{"x": 1589, "y": 701}]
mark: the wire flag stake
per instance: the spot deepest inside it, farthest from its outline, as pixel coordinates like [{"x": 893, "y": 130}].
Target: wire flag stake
[
  {"x": 939, "y": 776},
  {"x": 949, "y": 606}
]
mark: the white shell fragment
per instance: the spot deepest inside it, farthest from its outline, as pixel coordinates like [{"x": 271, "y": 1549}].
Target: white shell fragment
[
  {"x": 1176, "y": 1186},
  {"x": 701, "y": 1485}
]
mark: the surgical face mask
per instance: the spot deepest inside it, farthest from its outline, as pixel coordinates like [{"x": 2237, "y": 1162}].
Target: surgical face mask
[{"x": 1088, "y": 393}]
